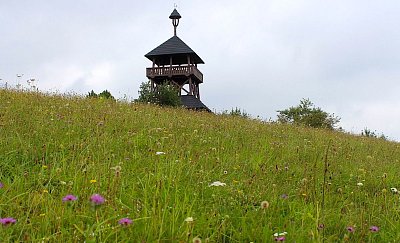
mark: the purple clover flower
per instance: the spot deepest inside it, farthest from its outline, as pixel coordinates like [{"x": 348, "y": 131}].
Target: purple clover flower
[
  {"x": 1, "y": 185},
  {"x": 280, "y": 238},
  {"x": 374, "y": 228},
  {"x": 351, "y": 229},
  {"x": 97, "y": 199},
  {"x": 7, "y": 221},
  {"x": 69, "y": 198},
  {"x": 125, "y": 221}
]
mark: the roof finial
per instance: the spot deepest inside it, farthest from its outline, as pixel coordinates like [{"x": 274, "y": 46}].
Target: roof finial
[{"x": 175, "y": 16}]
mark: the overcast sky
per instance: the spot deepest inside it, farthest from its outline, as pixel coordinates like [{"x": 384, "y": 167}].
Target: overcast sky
[{"x": 260, "y": 55}]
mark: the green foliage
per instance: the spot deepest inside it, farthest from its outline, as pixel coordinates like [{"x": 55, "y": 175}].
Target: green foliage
[
  {"x": 308, "y": 115},
  {"x": 236, "y": 112},
  {"x": 56, "y": 145},
  {"x": 103, "y": 95},
  {"x": 165, "y": 95},
  {"x": 372, "y": 134},
  {"x": 91, "y": 94}
]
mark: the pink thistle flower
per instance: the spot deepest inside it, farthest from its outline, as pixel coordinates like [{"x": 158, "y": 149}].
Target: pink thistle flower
[
  {"x": 125, "y": 221},
  {"x": 374, "y": 228},
  {"x": 351, "y": 229},
  {"x": 97, "y": 199},
  {"x": 280, "y": 238},
  {"x": 69, "y": 198},
  {"x": 7, "y": 221}
]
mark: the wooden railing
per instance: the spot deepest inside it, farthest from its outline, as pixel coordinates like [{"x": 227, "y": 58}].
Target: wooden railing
[{"x": 174, "y": 70}]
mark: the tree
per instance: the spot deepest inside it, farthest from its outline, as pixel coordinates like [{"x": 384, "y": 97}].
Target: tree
[
  {"x": 165, "y": 95},
  {"x": 308, "y": 115},
  {"x": 103, "y": 95},
  {"x": 106, "y": 95}
]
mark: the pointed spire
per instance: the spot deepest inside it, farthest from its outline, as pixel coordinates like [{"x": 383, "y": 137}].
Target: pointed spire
[{"x": 175, "y": 16}]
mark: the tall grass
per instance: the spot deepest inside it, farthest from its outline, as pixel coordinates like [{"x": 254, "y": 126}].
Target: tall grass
[{"x": 54, "y": 145}]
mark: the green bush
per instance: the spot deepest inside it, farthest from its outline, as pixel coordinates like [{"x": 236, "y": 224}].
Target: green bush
[
  {"x": 165, "y": 95},
  {"x": 308, "y": 115},
  {"x": 103, "y": 95}
]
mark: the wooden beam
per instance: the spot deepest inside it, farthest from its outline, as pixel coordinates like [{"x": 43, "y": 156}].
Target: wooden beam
[{"x": 170, "y": 66}]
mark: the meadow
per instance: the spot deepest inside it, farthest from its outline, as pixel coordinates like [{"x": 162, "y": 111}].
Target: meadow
[{"x": 93, "y": 170}]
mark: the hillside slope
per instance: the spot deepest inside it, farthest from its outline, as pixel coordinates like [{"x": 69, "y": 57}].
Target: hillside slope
[{"x": 155, "y": 166}]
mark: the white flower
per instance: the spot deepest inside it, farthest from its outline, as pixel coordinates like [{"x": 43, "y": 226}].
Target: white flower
[
  {"x": 160, "y": 153},
  {"x": 189, "y": 219},
  {"x": 394, "y": 190},
  {"x": 217, "y": 183},
  {"x": 360, "y": 184},
  {"x": 280, "y": 234}
]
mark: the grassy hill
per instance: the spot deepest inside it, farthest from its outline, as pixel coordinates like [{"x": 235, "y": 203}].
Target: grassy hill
[{"x": 156, "y": 167}]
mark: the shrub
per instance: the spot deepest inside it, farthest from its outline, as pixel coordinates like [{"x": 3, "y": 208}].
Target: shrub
[
  {"x": 165, "y": 95},
  {"x": 103, "y": 95},
  {"x": 308, "y": 115}
]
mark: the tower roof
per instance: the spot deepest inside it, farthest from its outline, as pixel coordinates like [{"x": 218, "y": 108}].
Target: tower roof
[
  {"x": 176, "y": 48},
  {"x": 191, "y": 102},
  {"x": 175, "y": 15}
]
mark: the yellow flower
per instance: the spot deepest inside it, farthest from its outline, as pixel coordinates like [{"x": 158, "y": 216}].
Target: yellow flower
[
  {"x": 42, "y": 215},
  {"x": 45, "y": 191},
  {"x": 93, "y": 181}
]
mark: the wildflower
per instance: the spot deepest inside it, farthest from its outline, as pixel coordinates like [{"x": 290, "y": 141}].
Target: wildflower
[
  {"x": 63, "y": 183},
  {"x": 42, "y": 214},
  {"x": 394, "y": 190},
  {"x": 189, "y": 219},
  {"x": 196, "y": 240},
  {"x": 97, "y": 199},
  {"x": 1, "y": 185},
  {"x": 360, "y": 184},
  {"x": 264, "y": 204},
  {"x": 351, "y": 229},
  {"x": 7, "y": 221},
  {"x": 217, "y": 183},
  {"x": 125, "y": 221},
  {"x": 321, "y": 226},
  {"x": 69, "y": 198},
  {"x": 374, "y": 228},
  {"x": 93, "y": 181},
  {"x": 45, "y": 191},
  {"x": 280, "y": 234},
  {"x": 280, "y": 238},
  {"x": 160, "y": 153}
]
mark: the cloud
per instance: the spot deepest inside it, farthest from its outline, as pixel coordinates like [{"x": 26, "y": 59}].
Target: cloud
[{"x": 261, "y": 56}]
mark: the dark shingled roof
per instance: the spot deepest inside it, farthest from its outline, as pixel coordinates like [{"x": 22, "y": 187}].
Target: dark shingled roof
[
  {"x": 175, "y": 15},
  {"x": 191, "y": 102},
  {"x": 176, "y": 48}
]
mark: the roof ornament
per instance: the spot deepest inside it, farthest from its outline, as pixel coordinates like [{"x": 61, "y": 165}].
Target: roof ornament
[{"x": 175, "y": 16}]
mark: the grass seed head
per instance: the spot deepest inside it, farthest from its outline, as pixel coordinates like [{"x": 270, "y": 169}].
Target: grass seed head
[{"x": 264, "y": 204}]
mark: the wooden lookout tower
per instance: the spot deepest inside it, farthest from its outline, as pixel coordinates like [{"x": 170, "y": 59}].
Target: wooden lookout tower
[{"x": 175, "y": 62}]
